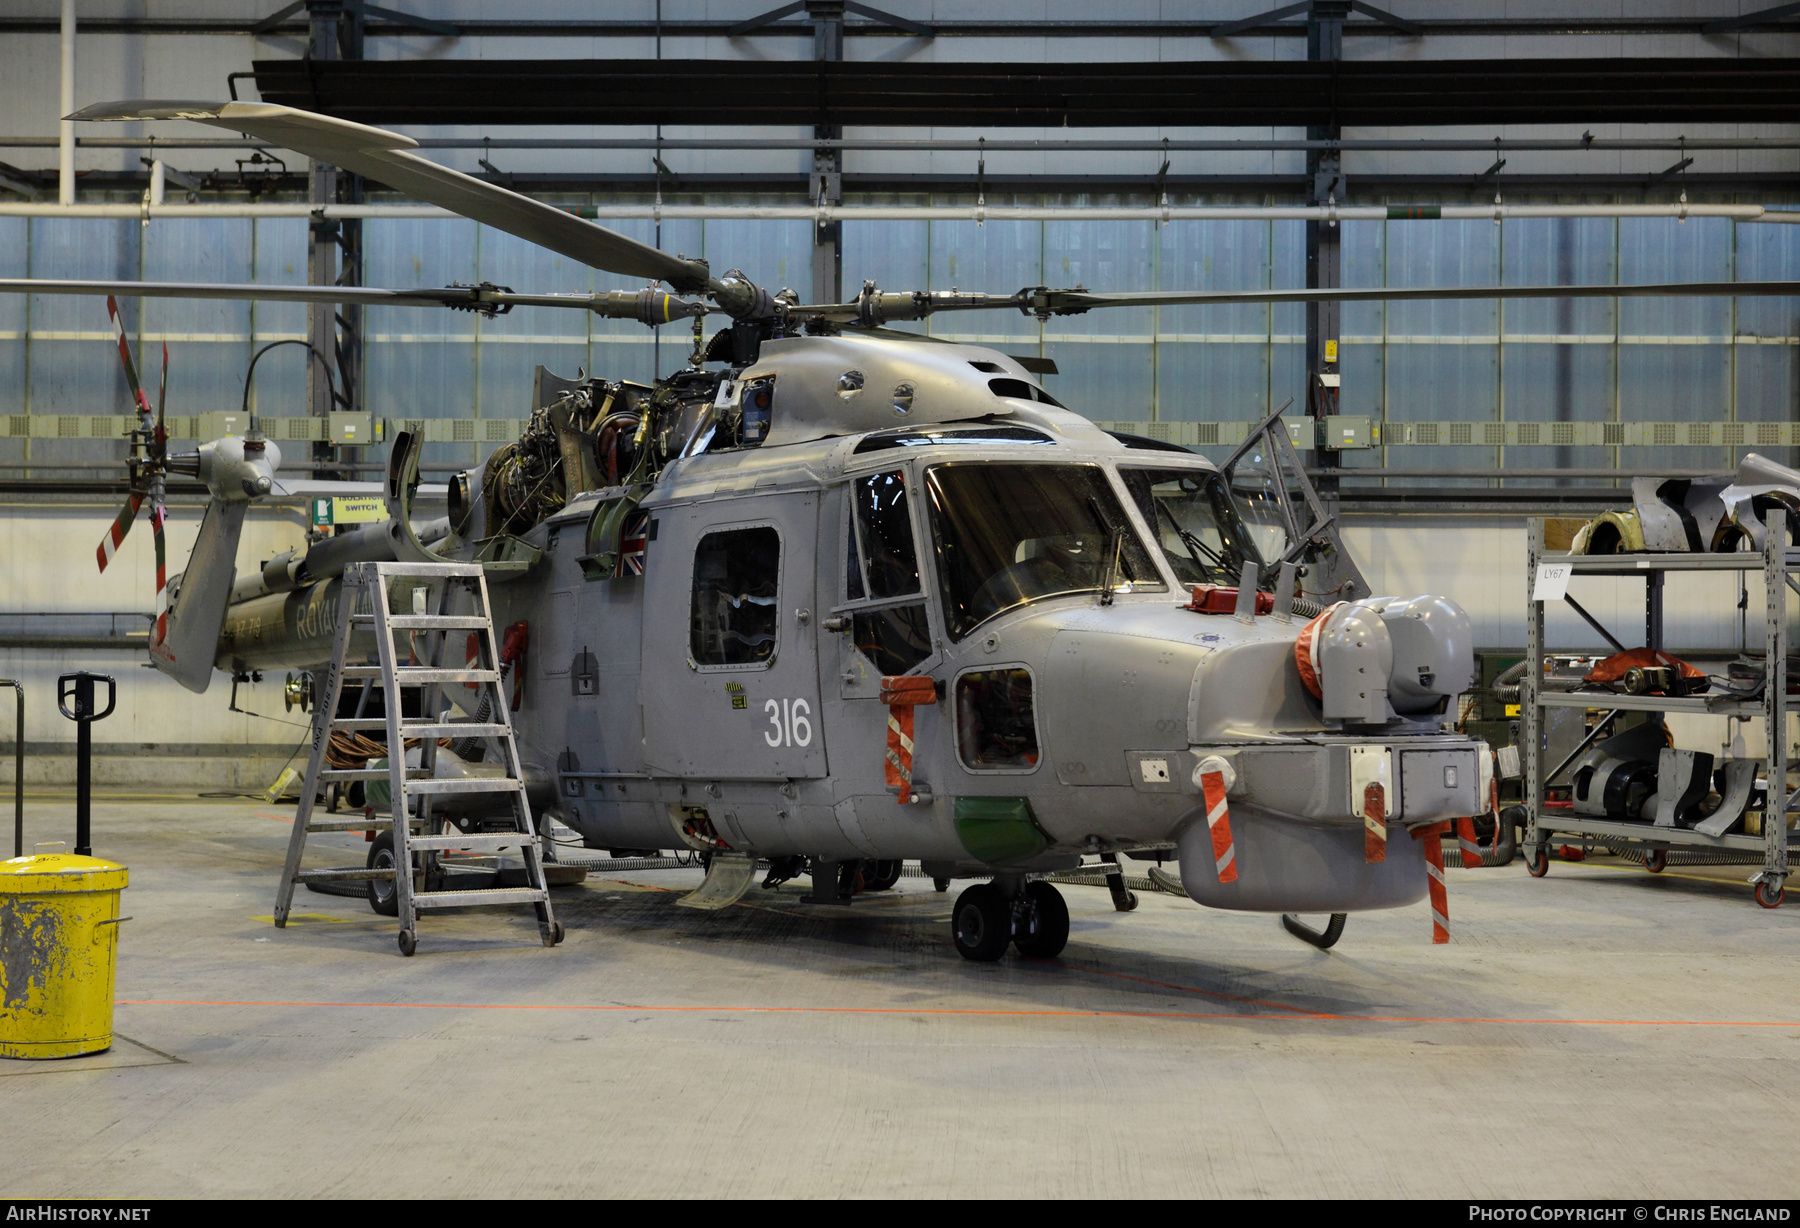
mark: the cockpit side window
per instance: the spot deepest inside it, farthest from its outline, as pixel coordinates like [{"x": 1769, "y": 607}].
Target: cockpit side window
[
  {"x": 1200, "y": 527},
  {"x": 881, "y": 564},
  {"x": 734, "y": 615},
  {"x": 884, "y": 534}
]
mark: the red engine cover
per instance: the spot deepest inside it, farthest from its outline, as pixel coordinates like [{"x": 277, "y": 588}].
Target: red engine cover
[{"x": 1216, "y": 599}]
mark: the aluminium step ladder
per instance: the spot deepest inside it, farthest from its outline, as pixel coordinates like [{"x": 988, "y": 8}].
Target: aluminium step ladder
[{"x": 368, "y": 592}]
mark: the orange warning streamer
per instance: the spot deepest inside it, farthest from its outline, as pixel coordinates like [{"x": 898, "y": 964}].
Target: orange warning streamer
[
  {"x": 1374, "y": 824},
  {"x": 1218, "y": 819},
  {"x": 1434, "y": 869},
  {"x": 900, "y": 692}
]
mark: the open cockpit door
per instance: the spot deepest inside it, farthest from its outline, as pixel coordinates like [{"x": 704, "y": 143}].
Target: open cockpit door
[{"x": 1269, "y": 483}]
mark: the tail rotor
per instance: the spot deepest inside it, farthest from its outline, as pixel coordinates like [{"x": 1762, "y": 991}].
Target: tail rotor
[{"x": 148, "y": 466}]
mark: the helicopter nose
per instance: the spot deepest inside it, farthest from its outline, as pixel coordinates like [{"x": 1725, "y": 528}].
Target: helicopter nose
[{"x": 1109, "y": 698}]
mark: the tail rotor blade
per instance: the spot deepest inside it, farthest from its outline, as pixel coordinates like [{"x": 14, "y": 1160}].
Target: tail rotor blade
[
  {"x": 115, "y": 536},
  {"x": 161, "y": 631},
  {"x": 160, "y": 443},
  {"x": 131, "y": 376}
]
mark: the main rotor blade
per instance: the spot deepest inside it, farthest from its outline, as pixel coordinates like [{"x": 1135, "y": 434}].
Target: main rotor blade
[
  {"x": 1070, "y": 302},
  {"x": 384, "y": 156},
  {"x": 876, "y": 307},
  {"x": 648, "y": 307}
]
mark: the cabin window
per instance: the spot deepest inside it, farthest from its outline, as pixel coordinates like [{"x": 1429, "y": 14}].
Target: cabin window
[
  {"x": 996, "y": 726},
  {"x": 736, "y": 577}
]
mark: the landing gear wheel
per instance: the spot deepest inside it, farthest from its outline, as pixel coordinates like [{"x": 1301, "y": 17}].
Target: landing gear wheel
[
  {"x": 881, "y": 875},
  {"x": 981, "y": 923},
  {"x": 1537, "y": 862},
  {"x": 1045, "y": 929},
  {"x": 1770, "y": 898},
  {"x": 408, "y": 942},
  {"x": 1656, "y": 860},
  {"x": 384, "y": 893}
]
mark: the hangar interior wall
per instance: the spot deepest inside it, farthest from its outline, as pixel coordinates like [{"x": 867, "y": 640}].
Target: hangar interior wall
[
  {"x": 1548, "y": 361},
  {"x": 1731, "y": 360}
]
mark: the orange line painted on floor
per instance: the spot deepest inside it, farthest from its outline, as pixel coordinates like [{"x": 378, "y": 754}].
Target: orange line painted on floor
[
  {"x": 1286, "y": 1013},
  {"x": 1209, "y": 993}
]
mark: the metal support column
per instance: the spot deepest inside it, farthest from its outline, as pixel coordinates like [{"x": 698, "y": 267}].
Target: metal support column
[
  {"x": 1324, "y": 259},
  {"x": 827, "y": 187},
  {"x": 1531, "y": 720},
  {"x": 333, "y": 252},
  {"x": 1775, "y": 586}
]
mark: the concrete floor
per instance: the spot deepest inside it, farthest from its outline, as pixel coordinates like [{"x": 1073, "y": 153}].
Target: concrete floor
[{"x": 1600, "y": 1033}]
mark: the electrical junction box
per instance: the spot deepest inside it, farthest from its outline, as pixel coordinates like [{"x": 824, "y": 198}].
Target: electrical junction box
[
  {"x": 1343, "y": 432},
  {"x": 219, "y": 423},
  {"x": 1299, "y": 434},
  {"x": 354, "y": 429}
]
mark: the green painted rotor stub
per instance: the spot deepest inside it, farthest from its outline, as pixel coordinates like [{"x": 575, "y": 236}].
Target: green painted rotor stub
[{"x": 999, "y": 830}]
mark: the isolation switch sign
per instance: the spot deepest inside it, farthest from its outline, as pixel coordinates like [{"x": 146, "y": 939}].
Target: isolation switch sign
[{"x": 1552, "y": 581}]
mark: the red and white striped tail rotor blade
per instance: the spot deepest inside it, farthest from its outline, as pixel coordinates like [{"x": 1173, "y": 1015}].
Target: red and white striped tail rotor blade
[
  {"x": 115, "y": 536},
  {"x": 161, "y": 631},
  {"x": 131, "y": 376}
]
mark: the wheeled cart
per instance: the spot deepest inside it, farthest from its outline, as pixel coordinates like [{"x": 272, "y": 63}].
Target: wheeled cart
[{"x": 1777, "y": 564}]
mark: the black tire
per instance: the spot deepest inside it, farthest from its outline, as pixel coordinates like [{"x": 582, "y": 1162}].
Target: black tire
[
  {"x": 408, "y": 942},
  {"x": 1047, "y": 926},
  {"x": 941, "y": 884},
  {"x": 881, "y": 875},
  {"x": 384, "y": 893},
  {"x": 981, "y": 923}
]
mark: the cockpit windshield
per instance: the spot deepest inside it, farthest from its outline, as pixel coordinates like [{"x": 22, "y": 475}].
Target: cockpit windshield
[
  {"x": 1009, "y": 534},
  {"x": 1206, "y": 535}
]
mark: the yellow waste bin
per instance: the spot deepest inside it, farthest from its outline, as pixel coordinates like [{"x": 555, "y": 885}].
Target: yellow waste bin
[{"x": 59, "y": 947}]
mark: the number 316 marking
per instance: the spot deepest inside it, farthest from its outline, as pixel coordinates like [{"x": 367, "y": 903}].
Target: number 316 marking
[{"x": 791, "y": 726}]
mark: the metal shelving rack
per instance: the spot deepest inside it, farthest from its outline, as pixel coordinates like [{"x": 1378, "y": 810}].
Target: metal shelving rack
[{"x": 1778, "y": 564}]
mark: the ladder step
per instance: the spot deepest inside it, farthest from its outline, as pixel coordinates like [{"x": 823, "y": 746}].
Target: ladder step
[
  {"x": 462, "y": 899},
  {"x": 359, "y": 773},
  {"x": 423, "y": 729},
  {"x": 480, "y": 784},
  {"x": 452, "y": 729},
  {"x": 408, "y": 675},
  {"x": 339, "y": 873},
  {"x": 427, "y": 622},
  {"x": 426, "y": 673},
  {"x": 460, "y": 841},
  {"x": 318, "y": 825},
  {"x": 428, "y": 571}
]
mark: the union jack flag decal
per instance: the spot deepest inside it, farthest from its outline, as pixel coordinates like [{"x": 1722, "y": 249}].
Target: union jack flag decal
[{"x": 631, "y": 545}]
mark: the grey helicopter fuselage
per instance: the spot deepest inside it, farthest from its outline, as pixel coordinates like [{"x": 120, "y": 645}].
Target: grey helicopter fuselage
[{"x": 729, "y": 697}]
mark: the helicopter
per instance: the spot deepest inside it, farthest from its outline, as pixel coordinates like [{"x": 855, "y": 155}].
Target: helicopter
[{"x": 836, "y": 596}]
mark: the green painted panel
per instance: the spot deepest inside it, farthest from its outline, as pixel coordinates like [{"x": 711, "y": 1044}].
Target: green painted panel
[{"x": 999, "y": 830}]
